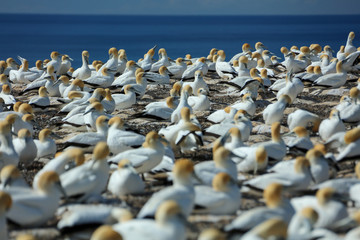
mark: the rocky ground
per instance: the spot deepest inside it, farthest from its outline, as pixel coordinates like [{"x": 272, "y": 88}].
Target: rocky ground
[{"x": 320, "y": 103}]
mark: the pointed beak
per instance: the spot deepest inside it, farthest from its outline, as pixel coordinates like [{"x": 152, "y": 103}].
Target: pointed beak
[
  {"x": 224, "y": 138},
  {"x": 88, "y": 111},
  {"x": 238, "y": 155},
  {"x": 62, "y": 190},
  {"x": 7, "y": 182},
  {"x": 288, "y": 134},
  {"x": 311, "y": 175},
  {"x": 256, "y": 167}
]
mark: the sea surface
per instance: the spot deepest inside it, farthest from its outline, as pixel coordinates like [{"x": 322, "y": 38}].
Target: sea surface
[{"x": 35, "y": 36}]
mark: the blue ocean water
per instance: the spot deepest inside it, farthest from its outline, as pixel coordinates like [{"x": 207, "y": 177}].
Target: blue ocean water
[{"x": 35, "y": 36}]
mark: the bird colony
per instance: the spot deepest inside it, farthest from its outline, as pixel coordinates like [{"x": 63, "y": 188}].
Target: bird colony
[{"x": 255, "y": 146}]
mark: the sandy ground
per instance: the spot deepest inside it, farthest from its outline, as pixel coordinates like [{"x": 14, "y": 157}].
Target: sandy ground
[{"x": 320, "y": 104}]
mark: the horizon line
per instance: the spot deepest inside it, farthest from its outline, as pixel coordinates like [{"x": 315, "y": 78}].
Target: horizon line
[{"x": 178, "y": 15}]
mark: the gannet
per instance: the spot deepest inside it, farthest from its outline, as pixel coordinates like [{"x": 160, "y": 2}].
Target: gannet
[
  {"x": 293, "y": 65},
  {"x": 223, "y": 198},
  {"x": 11, "y": 178},
  {"x": 148, "y": 61},
  {"x": 206, "y": 171},
  {"x": 25, "y": 147},
  {"x": 95, "y": 110},
  {"x": 299, "y": 180},
  {"x": 277, "y": 206},
  {"x": 185, "y": 134},
  {"x": 108, "y": 102},
  {"x": 36, "y": 207},
  {"x": 45, "y": 145},
  {"x": 76, "y": 85},
  {"x": 302, "y": 223},
  {"x": 298, "y": 139},
  {"x": 255, "y": 159},
  {"x": 4, "y": 80},
  {"x": 3, "y": 66},
  {"x": 168, "y": 224},
  {"x": 178, "y": 69},
  {"x": 104, "y": 80},
  {"x": 242, "y": 70},
  {"x": 55, "y": 61},
  {"x": 11, "y": 64},
  {"x": 330, "y": 211},
  {"x": 84, "y": 71},
  {"x": 240, "y": 120},
  {"x": 140, "y": 85},
  {"x": 331, "y": 125},
  {"x": 91, "y": 138},
  {"x": 289, "y": 89},
  {"x": 276, "y": 148},
  {"x": 23, "y": 75},
  {"x": 125, "y": 180},
  {"x": 65, "y": 65},
  {"x": 158, "y": 78},
  {"x": 176, "y": 114},
  {"x": 227, "y": 114},
  {"x": 145, "y": 158},
  {"x": 235, "y": 142},
  {"x": 182, "y": 191},
  {"x": 341, "y": 185},
  {"x": 330, "y": 68},
  {"x": 350, "y": 48},
  {"x": 349, "y": 146},
  {"x": 128, "y": 76},
  {"x": 42, "y": 101},
  {"x": 198, "y": 65},
  {"x": 200, "y": 102},
  {"x": 8, "y": 153},
  {"x": 350, "y": 111},
  {"x": 123, "y": 101},
  {"x": 64, "y": 84},
  {"x": 122, "y": 60},
  {"x": 245, "y": 51},
  {"x": 247, "y": 104},
  {"x": 302, "y": 118},
  {"x": 112, "y": 63},
  {"x": 89, "y": 179},
  {"x": 274, "y": 112},
  {"x": 335, "y": 80},
  {"x": 163, "y": 61},
  {"x": 198, "y": 83},
  {"x": 6, "y": 95},
  {"x": 60, "y": 162},
  {"x": 224, "y": 69}
]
